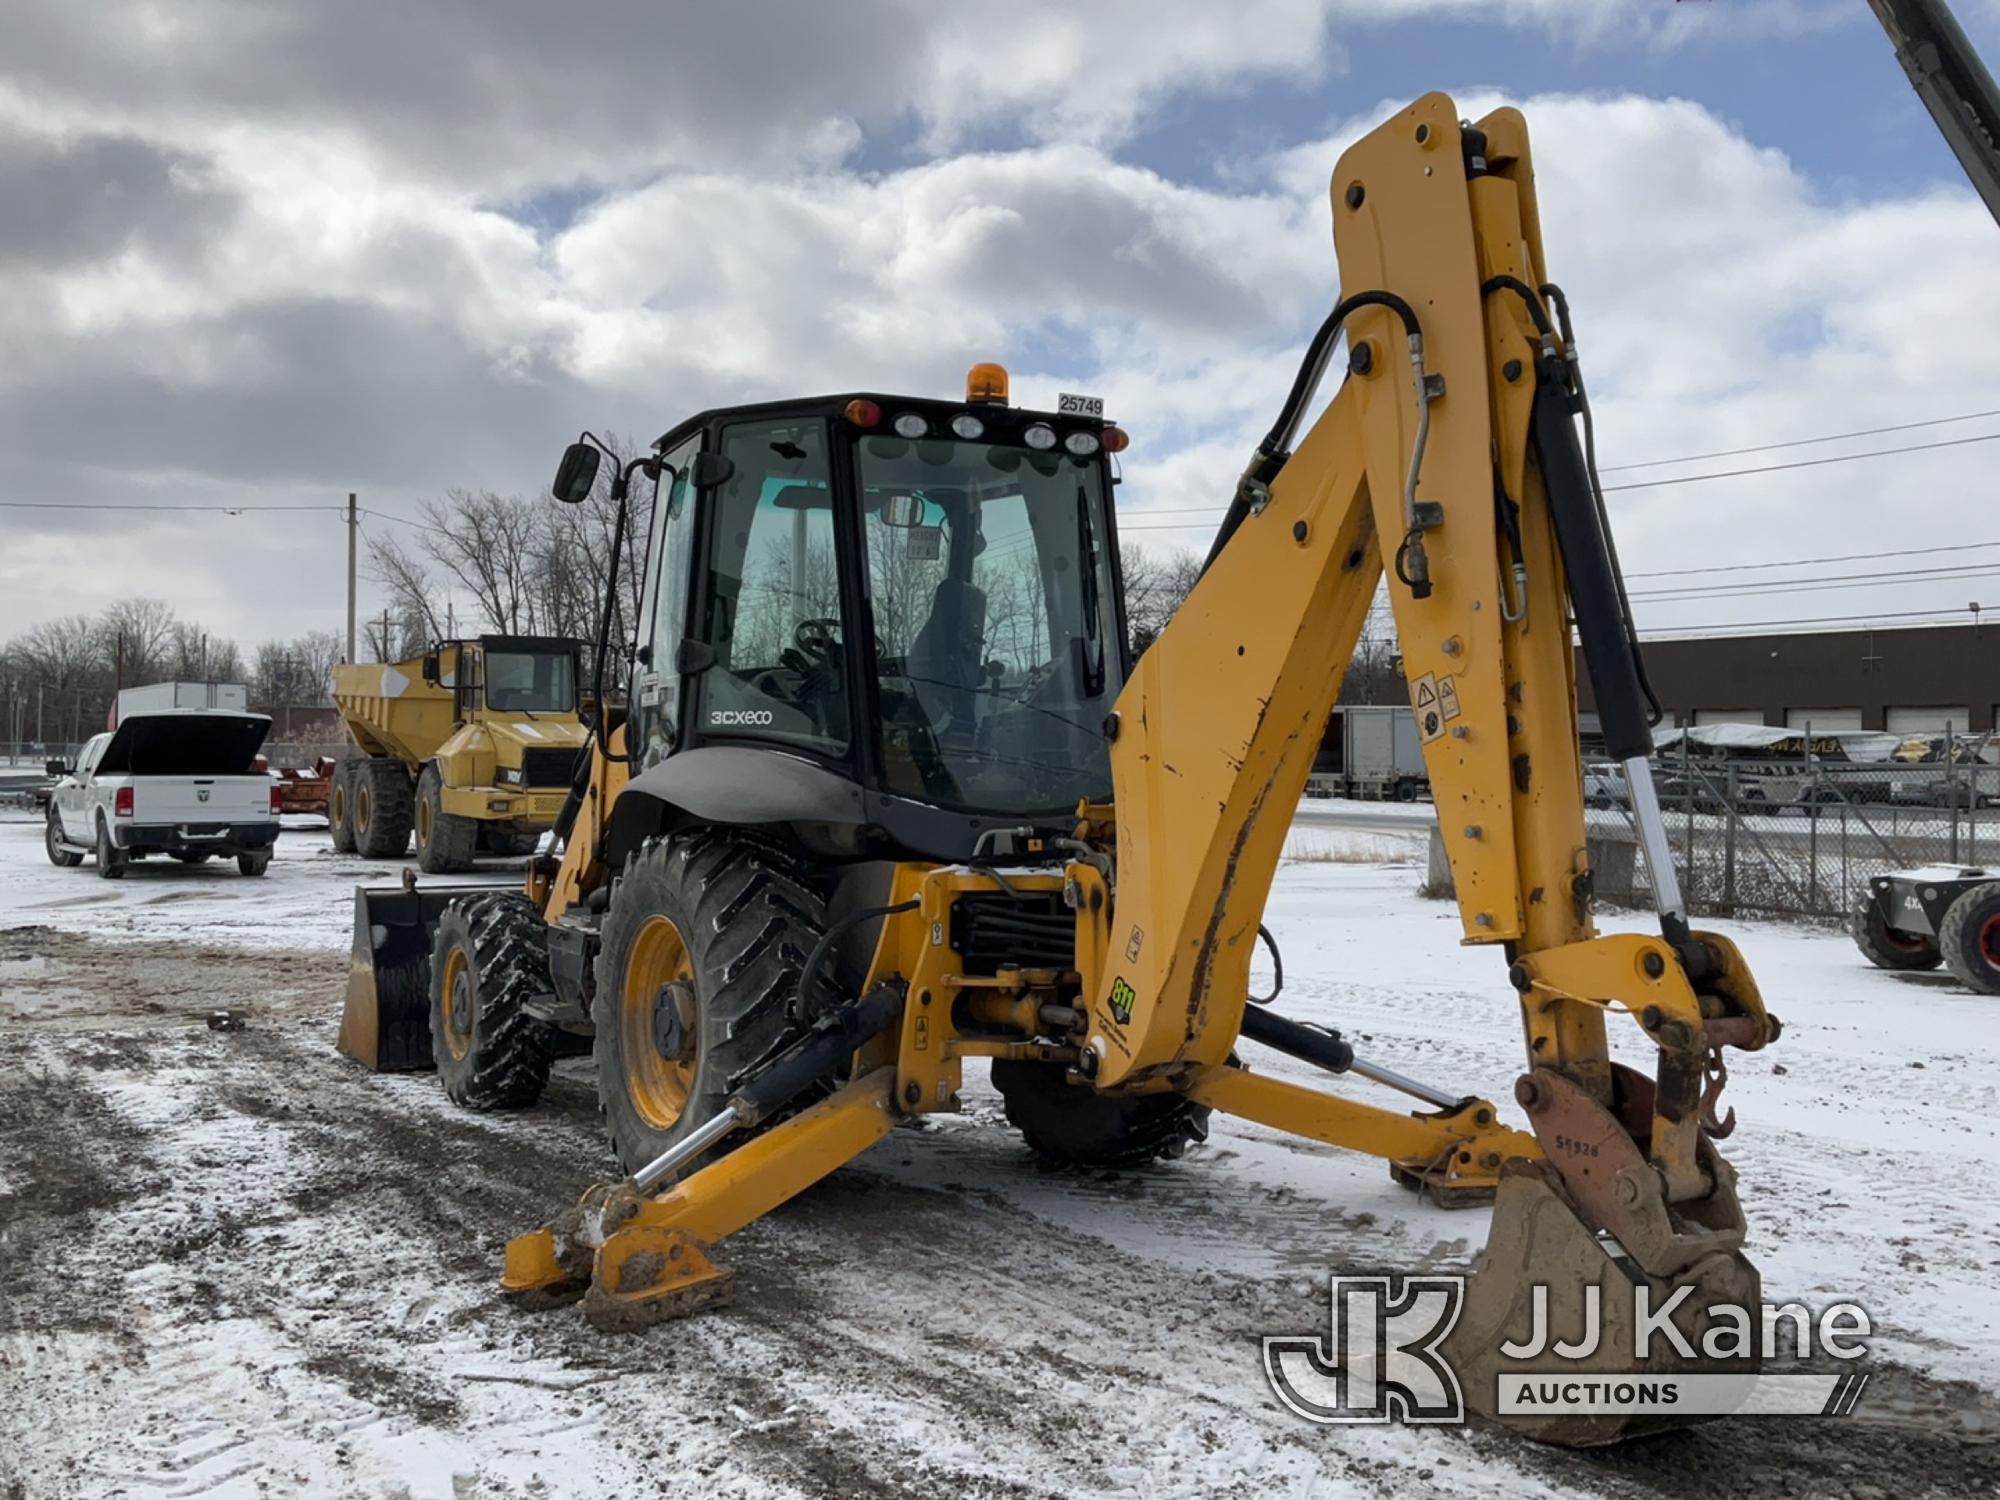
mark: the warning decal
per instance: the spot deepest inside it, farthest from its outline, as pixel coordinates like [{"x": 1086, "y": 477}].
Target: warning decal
[
  {"x": 1429, "y": 710},
  {"x": 1448, "y": 698}
]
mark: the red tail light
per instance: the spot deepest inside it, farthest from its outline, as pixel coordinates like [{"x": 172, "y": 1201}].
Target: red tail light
[
  {"x": 1114, "y": 439},
  {"x": 121, "y": 802},
  {"x": 277, "y": 798}
]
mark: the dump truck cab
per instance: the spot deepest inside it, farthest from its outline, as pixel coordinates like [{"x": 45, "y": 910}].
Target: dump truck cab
[{"x": 885, "y": 626}]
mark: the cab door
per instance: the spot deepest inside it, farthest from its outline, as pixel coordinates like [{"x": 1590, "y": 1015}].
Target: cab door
[{"x": 655, "y": 724}]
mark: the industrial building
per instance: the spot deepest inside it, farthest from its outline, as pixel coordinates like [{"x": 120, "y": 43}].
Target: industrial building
[{"x": 1916, "y": 680}]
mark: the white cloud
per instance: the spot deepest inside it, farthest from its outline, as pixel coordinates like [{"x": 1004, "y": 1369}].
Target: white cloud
[{"x": 312, "y": 288}]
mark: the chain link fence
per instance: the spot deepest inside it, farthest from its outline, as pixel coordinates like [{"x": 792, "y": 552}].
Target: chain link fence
[{"x": 1801, "y": 837}]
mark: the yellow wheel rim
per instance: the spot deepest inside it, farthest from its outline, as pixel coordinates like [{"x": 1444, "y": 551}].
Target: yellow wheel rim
[
  {"x": 362, "y": 808},
  {"x": 338, "y": 810},
  {"x": 461, "y": 1006},
  {"x": 423, "y": 822},
  {"x": 658, "y": 1049}
]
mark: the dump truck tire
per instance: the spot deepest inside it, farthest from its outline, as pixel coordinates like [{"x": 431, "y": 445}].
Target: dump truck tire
[
  {"x": 489, "y": 960},
  {"x": 1069, "y": 1125},
  {"x": 1885, "y": 947},
  {"x": 445, "y": 843},
  {"x": 384, "y": 808},
  {"x": 1969, "y": 937},
  {"x": 702, "y": 948},
  {"x": 340, "y": 807}
]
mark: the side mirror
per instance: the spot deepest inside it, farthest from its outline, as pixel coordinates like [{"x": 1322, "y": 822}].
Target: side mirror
[
  {"x": 576, "y": 475},
  {"x": 431, "y": 667},
  {"x": 905, "y": 511},
  {"x": 57, "y": 767},
  {"x": 708, "y": 470}
]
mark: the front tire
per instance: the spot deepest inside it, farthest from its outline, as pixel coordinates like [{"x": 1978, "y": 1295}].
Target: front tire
[
  {"x": 110, "y": 858},
  {"x": 489, "y": 961},
  {"x": 1885, "y": 947},
  {"x": 1069, "y": 1125},
  {"x": 702, "y": 948},
  {"x": 384, "y": 808},
  {"x": 52, "y": 840},
  {"x": 1969, "y": 936},
  {"x": 445, "y": 843}
]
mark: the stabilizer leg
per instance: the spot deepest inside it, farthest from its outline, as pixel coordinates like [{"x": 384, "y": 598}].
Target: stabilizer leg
[{"x": 637, "y": 1260}]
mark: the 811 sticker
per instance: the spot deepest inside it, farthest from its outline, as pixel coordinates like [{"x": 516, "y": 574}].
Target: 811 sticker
[{"x": 1122, "y": 996}]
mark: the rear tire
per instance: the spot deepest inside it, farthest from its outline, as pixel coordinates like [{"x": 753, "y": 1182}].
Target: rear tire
[
  {"x": 1885, "y": 947},
  {"x": 1069, "y": 1125},
  {"x": 489, "y": 960},
  {"x": 702, "y": 948},
  {"x": 340, "y": 806},
  {"x": 384, "y": 808},
  {"x": 1969, "y": 935},
  {"x": 52, "y": 841},
  {"x": 110, "y": 858},
  {"x": 445, "y": 842}
]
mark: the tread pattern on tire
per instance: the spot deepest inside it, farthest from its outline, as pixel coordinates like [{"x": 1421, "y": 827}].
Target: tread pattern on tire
[
  {"x": 507, "y": 1065},
  {"x": 113, "y": 867},
  {"x": 340, "y": 806},
  {"x": 750, "y": 916},
  {"x": 392, "y": 808},
  {"x": 61, "y": 858},
  {"x": 1068, "y": 1125},
  {"x": 1961, "y": 946},
  {"x": 1871, "y": 937},
  {"x": 450, "y": 848}
]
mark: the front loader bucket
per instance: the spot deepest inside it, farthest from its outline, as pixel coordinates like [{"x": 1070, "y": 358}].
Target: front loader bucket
[
  {"x": 386, "y": 1024},
  {"x": 1535, "y": 1287}
]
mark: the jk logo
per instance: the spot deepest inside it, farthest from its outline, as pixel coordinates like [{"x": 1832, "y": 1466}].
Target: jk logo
[{"x": 1380, "y": 1360}]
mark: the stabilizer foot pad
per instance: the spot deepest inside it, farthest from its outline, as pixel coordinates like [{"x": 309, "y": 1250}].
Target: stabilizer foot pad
[{"x": 645, "y": 1276}]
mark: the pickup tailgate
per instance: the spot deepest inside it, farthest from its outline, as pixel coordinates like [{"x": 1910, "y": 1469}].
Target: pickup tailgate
[{"x": 197, "y": 799}]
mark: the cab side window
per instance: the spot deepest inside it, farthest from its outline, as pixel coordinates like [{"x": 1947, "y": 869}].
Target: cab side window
[{"x": 772, "y": 590}]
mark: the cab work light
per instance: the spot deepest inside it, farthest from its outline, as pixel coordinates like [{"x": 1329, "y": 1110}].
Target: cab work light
[{"x": 864, "y": 413}]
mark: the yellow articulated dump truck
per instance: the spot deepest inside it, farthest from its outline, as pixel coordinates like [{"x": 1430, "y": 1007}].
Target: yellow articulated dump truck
[{"x": 471, "y": 746}]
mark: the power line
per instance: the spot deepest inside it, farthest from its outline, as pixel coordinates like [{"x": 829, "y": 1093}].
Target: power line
[
  {"x": 1751, "y": 587},
  {"x": 1804, "y": 562},
  {"x": 230, "y": 510},
  {"x": 1804, "y": 463},
  {"x": 1870, "y": 619},
  {"x": 1651, "y": 484},
  {"x": 1832, "y": 437}
]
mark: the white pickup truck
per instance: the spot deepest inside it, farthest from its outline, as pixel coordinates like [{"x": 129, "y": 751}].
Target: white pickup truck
[{"x": 183, "y": 783}]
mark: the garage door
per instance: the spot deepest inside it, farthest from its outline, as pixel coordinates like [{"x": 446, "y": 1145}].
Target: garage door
[
  {"x": 1823, "y": 720},
  {"x": 1928, "y": 720},
  {"x": 1729, "y": 716}
]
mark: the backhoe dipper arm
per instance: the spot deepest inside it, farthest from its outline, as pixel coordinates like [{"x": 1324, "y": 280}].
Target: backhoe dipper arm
[{"x": 1450, "y": 458}]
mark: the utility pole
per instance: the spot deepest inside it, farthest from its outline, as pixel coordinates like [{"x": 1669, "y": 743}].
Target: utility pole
[
  {"x": 388, "y": 649},
  {"x": 353, "y": 535}
]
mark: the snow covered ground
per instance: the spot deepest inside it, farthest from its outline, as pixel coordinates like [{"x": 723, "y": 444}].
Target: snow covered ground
[{"x": 237, "y": 1265}]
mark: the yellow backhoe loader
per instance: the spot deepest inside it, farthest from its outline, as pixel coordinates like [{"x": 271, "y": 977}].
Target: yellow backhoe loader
[{"x": 891, "y": 794}]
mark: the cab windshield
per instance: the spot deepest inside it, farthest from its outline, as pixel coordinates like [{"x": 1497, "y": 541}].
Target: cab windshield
[
  {"x": 989, "y": 582},
  {"x": 537, "y": 682}
]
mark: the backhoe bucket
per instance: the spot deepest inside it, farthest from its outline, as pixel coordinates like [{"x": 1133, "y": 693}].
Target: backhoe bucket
[
  {"x": 386, "y": 1025},
  {"x": 1569, "y": 1301}
]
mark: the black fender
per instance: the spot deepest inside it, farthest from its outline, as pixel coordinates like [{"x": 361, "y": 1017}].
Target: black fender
[{"x": 748, "y": 786}]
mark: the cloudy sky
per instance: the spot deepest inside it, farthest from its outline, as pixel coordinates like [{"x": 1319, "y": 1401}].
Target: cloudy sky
[{"x": 258, "y": 255}]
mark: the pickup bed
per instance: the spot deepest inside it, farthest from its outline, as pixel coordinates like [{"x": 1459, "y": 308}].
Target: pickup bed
[{"x": 182, "y": 783}]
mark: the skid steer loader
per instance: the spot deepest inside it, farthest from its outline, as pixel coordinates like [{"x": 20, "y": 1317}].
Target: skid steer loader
[{"x": 891, "y": 794}]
